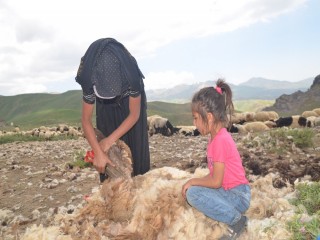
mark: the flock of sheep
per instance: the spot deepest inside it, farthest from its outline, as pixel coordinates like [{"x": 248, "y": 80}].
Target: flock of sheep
[
  {"x": 241, "y": 122},
  {"x": 265, "y": 120}
]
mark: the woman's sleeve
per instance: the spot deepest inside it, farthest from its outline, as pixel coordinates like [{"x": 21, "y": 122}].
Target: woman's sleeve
[
  {"x": 89, "y": 97},
  {"x": 133, "y": 93}
]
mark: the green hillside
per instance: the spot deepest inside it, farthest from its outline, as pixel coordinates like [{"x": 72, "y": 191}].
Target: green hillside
[
  {"x": 178, "y": 114},
  {"x": 34, "y": 110},
  {"x": 252, "y": 105}
]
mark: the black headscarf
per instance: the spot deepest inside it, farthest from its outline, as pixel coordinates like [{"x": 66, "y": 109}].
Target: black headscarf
[{"x": 92, "y": 55}]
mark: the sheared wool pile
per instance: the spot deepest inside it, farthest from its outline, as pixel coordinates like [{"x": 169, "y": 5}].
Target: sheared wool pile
[{"x": 151, "y": 206}]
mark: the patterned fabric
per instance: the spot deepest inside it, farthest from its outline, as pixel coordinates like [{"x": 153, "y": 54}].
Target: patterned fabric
[
  {"x": 90, "y": 98},
  {"x": 104, "y": 63},
  {"x": 107, "y": 76}
]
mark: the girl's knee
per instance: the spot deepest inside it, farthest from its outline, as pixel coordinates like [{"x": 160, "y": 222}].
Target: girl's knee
[{"x": 191, "y": 194}]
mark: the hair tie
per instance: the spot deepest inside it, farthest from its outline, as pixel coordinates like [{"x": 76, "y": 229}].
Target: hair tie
[{"x": 218, "y": 89}]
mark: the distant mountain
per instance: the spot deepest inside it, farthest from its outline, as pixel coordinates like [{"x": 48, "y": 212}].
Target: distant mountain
[
  {"x": 299, "y": 101},
  {"x": 254, "y": 88},
  {"x": 34, "y": 110},
  {"x": 275, "y": 84}
]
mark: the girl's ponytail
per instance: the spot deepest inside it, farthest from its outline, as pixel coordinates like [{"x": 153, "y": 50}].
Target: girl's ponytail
[{"x": 226, "y": 91}]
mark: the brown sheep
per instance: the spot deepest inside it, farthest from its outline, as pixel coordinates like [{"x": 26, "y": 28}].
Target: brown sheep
[
  {"x": 309, "y": 114},
  {"x": 317, "y": 111}
]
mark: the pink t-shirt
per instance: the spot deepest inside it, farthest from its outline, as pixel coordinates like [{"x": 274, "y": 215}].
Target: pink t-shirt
[{"x": 223, "y": 149}]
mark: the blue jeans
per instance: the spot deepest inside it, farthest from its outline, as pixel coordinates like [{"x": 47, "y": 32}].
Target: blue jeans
[{"x": 221, "y": 205}]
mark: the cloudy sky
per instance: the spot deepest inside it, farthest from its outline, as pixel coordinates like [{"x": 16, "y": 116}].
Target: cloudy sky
[{"x": 174, "y": 41}]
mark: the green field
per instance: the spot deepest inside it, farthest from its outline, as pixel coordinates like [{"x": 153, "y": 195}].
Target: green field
[{"x": 34, "y": 110}]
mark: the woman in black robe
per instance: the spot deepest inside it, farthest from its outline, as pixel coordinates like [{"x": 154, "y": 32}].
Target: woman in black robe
[{"x": 110, "y": 77}]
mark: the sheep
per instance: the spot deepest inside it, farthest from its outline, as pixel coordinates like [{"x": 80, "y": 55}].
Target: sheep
[
  {"x": 309, "y": 114},
  {"x": 120, "y": 154},
  {"x": 317, "y": 121},
  {"x": 273, "y": 115},
  {"x": 150, "y": 206},
  {"x": 249, "y": 116},
  {"x": 261, "y": 116},
  {"x": 270, "y": 123},
  {"x": 249, "y": 127},
  {"x": 187, "y": 130},
  {"x": 266, "y": 115},
  {"x": 236, "y": 118},
  {"x": 317, "y": 111},
  {"x": 158, "y": 124},
  {"x": 313, "y": 121},
  {"x": 295, "y": 121}
]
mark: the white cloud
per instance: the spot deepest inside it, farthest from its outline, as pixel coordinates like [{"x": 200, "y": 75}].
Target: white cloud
[
  {"x": 47, "y": 38},
  {"x": 167, "y": 79}
]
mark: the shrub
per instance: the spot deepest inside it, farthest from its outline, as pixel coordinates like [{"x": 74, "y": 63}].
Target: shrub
[{"x": 78, "y": 160}]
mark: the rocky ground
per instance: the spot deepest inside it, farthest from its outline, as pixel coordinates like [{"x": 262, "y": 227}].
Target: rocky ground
[{"x": 37, "y": 182}]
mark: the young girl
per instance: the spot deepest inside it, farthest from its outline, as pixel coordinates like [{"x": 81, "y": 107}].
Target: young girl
[{"x": 224, "y": 194}]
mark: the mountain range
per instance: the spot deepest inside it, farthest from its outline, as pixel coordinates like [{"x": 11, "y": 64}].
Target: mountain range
[
  {"x": 299, "y": 101},
  {"x": 254, "y": 88},
  {"x": 36, "y": 109}
]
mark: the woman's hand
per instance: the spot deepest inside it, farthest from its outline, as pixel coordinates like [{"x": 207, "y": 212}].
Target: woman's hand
[
  {"x": 105, "y": 144},
  {"x": 100, "y": 161},
  {"x": 185, "y": 188}
]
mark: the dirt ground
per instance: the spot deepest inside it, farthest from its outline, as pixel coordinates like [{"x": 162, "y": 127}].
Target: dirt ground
[{"x": 36, "y": 179}]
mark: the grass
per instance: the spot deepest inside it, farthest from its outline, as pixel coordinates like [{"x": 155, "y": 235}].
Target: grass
[
  {"x": 78, "y": 160},
  {"x": 305, "y": 225},
  {"x": 253, "y": 105},
  {"x": 33, "y": 110},
  {"x": 280, "y": 140},
  {"x": 309, "y": 197},
  {"x": 300, "y": 137}
]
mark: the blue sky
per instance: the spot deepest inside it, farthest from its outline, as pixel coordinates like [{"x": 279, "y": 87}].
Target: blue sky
[{"x": 174, "y": 41}]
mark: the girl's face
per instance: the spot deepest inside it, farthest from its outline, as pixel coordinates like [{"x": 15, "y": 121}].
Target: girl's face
[{"x": 199, "y": 123}]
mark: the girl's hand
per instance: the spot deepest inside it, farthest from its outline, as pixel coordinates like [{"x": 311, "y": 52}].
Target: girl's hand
[{"x": 185, "y": 188}]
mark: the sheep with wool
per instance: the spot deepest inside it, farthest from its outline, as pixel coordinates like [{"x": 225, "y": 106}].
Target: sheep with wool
[
  {"x": 295, "y": 121},
  {"x": 187, "y": 130},
  {"x": 158, "y": 124},
  {"x": 313, "y": 121},
  {"x": 249, "y": 127},
  {"x": 266, "y": 116},
  {"x": 236, "y": 118},
  {"x": 317, "y": 111},
  {"x": 309, "y": 114}
]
